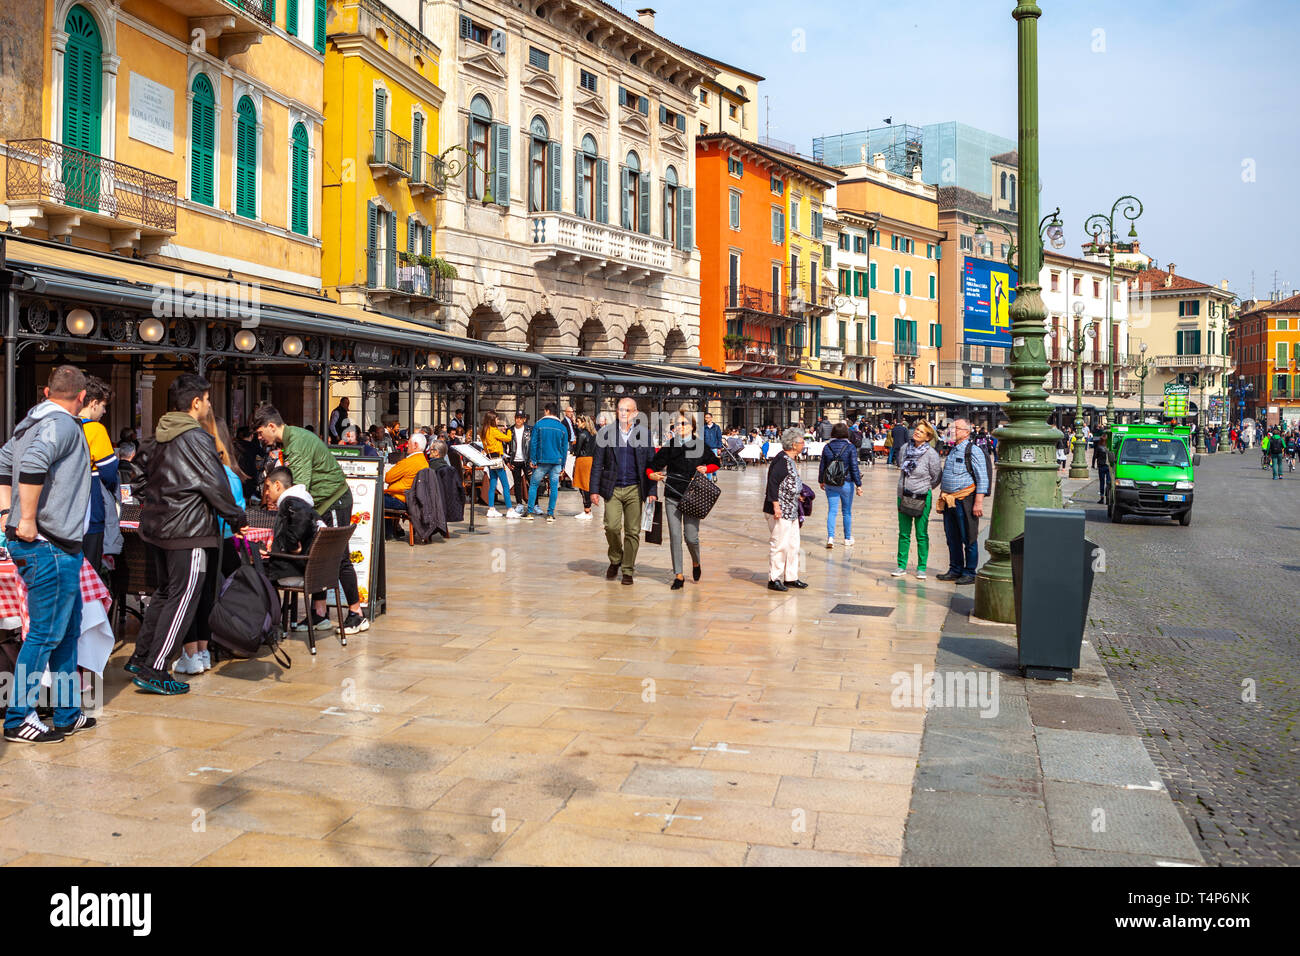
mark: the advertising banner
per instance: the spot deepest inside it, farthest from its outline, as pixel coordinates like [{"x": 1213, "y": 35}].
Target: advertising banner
[
  {"x": 1175, "y": 400},
  {"x": 988, "y": 289},
  {"x": 365, "y": 482}
]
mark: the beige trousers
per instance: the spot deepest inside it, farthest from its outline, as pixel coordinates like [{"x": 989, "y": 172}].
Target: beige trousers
[{"x": 783, "y": 549}]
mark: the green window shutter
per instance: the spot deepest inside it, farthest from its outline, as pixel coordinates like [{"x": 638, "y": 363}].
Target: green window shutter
[
  {"x": 553, "y": 154},
  {"x": 1196, "y": 338},
  {"x": 319, "y": 39},
  {"x": 602, "y": 190},
  {"x": 932, "y": 287},
  {"x": 938, "y": 336},
  {"x": 291, "y": 17},
  {"x": 202, "y": 140},
  {"x": 907, "y": 283},
  {"x": 873, "y": 275},
  {"x": 871, "y": 331},
  {"x": 897, "y": 273},
  {"x": 246, "y": 160},
  {"x": 894, "y": 242},
  {"x": 579, "y": 200},
  {"x": 1178, "y": 342},
  {"x": 501, "y": 152},
  {"x": 859, "y": 338},
  {"x": 372, "y": 234},
  {"x": 390, "y": 260},
  {"x": 300, "y": 173},
  {"x": 426, "y": 243},
  {"x": 82, "y": 98},
  {"x": 381, "y": 126},
  {"x": 643, "y": 201},
  {"x": 417, "y": 147},
  {"x": 686, "y": 219},
  {"x": 411, "y": 229}
]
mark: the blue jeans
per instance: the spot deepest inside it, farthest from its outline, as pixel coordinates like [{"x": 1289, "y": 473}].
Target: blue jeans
[
  {"x": 962, "y": 557},
  {"x": 498, "y": 475},
  {"x": 837, "y": 498},
  {"x": 553, "y": 473},
  {"x": 53, "y": 579}
]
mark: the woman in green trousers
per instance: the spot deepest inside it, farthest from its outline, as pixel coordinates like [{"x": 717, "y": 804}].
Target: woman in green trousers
[{"x": 919, "y": 471}]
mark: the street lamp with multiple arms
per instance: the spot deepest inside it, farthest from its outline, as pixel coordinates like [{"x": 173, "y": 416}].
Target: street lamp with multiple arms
[
  {"x": 1143, "y": 370},
  {"x": 1027, "y": 473},
  {"x": 1131, "y": 208},
  {"x": 1075, "y": 343}
]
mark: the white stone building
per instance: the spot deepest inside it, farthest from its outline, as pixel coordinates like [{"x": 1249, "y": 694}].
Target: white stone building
[{"x": 573, "y": 229}]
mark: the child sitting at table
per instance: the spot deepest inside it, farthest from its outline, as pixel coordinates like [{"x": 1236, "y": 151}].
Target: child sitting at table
[{"x": 296, "y": 522}]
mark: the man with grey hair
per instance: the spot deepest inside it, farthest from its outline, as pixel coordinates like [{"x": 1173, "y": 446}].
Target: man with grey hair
[
  {"x": 781, "y": 505},
  {"x": 619, "y": 475},
  {"x": 962, "y": 487}
]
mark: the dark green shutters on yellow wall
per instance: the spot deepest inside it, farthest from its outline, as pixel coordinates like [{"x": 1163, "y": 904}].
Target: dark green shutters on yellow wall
[
  {"x": 320, "y": 26},
  {"x": 202, "y": 141},
  {"x": 246, "y": 159},
  {"x": 291, "y": 17},
  {"x": 300, "y": 172},
  {"x": 82, "y": 108}
]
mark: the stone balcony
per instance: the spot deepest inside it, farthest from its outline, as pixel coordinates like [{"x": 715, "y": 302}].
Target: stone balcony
[
  {"x": 235, "y": 24},
  {"x": 1193, "y": 362},
  {"x": 597, "y": 248}
]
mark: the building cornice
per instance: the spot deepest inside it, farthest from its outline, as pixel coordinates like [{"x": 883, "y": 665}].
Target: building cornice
[{"x": 389, "y": 66}]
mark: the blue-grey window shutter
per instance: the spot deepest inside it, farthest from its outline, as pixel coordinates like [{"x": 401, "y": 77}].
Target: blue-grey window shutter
[
  {"x": 372, "y": 230},
  {"x": 426, "y": 241},
  {"x": 465, "y": 27},
  {"x": 624, "y": 194},
  {"x": 390, "y": 264},
  {"x": 643, "y": 200},
  {"x": 643, "y": 105},
  {"x": 686, "y": 219},
  {"x": 681, "y": 122},
  {"x": 579, "y": 200},
  {"x": 666, "y": 221},
  {"x": 553, "y": 153},
  {"x": 411, "y": 229},
  {"x": 501, "y": 151},
  {"x": 663, "y": 114},
  {"x": 602, "y": 190}
]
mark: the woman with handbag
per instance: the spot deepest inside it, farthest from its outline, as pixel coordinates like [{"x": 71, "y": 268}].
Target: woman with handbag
[
  {"x": 495, "y": 439},
  {"x": 921, "y": 468},
  {"x": 839, "y": 477},
  {"x": 676, "y": 464},
  {"x": 584, "y": 450}
]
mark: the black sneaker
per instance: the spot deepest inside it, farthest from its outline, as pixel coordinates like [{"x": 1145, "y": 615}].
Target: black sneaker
[
  {"x": 354, "y": 623},
  {"x": 32, "y": 731},
  {"x": 161, "y": 684},
  {"x": 947, "y": 576},
  {"x": 133, "y": 668},
  {"x": 81, "y": 723},
  {"x": 966, "y": 579}
]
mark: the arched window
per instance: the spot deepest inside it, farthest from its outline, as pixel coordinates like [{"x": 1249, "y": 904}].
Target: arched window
[
  {"x": 203, "y": 114},
  {"x": 635, "y": 188},
  {"x": 670, "y": 205},
  {"x": 298, "y": 188},
  {"x": 1004, "y": 186},
  {"x": 480, "y": 123},
  {"x": 82, "y": 108},
  {"x": 1013, "y": 191},
  {"x": 246, "y": 158},
  {"x": 586, "y": 178},
  {"x": 539, "y": 137}
]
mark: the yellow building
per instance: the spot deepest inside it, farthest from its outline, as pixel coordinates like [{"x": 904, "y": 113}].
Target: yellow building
[
  {"x": 903, "y": 280},
  {"x": 382, "y": 173}
]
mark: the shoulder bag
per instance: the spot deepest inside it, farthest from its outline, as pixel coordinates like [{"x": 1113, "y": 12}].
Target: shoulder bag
[{"x": 699, "y": 498}]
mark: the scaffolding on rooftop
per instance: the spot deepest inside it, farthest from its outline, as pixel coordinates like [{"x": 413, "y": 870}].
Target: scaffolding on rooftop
[{"x": 900, "y": 144}]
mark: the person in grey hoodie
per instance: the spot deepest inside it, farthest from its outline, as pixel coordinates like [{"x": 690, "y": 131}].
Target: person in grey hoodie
[
  {"x": 920, "y": 470},
  {"x": 45, "y": 490}
]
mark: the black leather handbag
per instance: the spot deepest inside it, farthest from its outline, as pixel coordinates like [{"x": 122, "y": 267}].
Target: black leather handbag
[{"x": 700, "y": 497}]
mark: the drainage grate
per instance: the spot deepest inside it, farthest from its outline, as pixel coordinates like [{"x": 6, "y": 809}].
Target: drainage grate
[
  {"x": 864, "y": 610},
  {"x": 1291, "y": 567},
  {"x": 1201, "y": 633}
]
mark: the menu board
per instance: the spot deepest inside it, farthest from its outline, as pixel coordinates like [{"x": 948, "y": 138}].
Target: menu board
[{"x": 364, "y": 476}]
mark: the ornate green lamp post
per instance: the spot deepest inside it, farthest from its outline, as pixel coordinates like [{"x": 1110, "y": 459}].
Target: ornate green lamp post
[
  {"x": 1131, "y": 207},
  {"x": 1141, "y": 373},
  {"x": 1201, "y": 417},
  {"x": 1075, "y": 343},
  {"x": 1027, "y": 475}
]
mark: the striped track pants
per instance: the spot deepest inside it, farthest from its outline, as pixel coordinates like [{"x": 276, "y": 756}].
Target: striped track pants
[{"x": 170, "y": 615}]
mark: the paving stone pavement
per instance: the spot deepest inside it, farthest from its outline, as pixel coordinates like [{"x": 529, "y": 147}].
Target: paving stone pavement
[
  {"x": 1193, "y": 622},
  {"x": 516, "y": 708}
]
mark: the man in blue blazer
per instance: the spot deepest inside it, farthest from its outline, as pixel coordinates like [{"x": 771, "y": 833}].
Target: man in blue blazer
[{"x": 619, "y": 475}]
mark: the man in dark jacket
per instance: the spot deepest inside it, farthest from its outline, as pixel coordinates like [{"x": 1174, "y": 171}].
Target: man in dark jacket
[
  {"x": 901, "y": 437},
  {"x": 185, "y": 491},
  {"x": 1101, "y": 461},
  {"x": 618, "y": 474},
  {"x": 295, "y": 522}
]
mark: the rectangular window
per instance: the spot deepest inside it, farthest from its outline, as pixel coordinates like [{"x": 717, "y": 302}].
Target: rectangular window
[
  {"x": 778, "y": 225},
  {"x": 873, "y": 278},
  {"x": 907, "y": 282},
  {"x": 735, "y": 209},
  {"x": 470, "y": 30},
  {"x": 731, "y": 111},
  {"x": 587, "y": 80},
  {"x": 1281, "y": 354},
  {"x": 844, "y": 241},
  {"x": 704, "y": 95},
  {"x": 539, "y": 59},
  {"x": 871, "y": 330},
  {"x": 778, "y": 186},
  {"x": 932, "y": 284},
  {"x": 735, "y": 167},
  {"x": 1281, "y": 325},
  {"x": 860, "y": 244},
  {"x": 893, "y": 243},
  {"x": 897, "y": 274},
  {"x": 967, "y": 244},
  {"x": 1078, "y": 285}
]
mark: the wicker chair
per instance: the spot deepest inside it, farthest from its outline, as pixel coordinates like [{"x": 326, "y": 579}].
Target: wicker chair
[
  {"x": 260, "y": 517},
  {"x": 320, "y": 573}
]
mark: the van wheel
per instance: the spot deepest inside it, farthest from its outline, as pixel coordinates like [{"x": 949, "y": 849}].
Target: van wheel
[
  {"x": 1111, "y": 511},
  {"x": 1185, "y": 518}
]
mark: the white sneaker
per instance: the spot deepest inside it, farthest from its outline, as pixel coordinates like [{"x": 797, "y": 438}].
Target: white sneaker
[
  {"x": 493, "y": 513},
  {"x": 830, "y": 543},
  {"x": 582, "y": 516},
  {"x": 513, "y": 514},
  {"x": 898, "y": 573},
  {"x": 920, "y": 575},
  {"x": 206, "y": 657},
  {"x": 847, "y": 542},
  {"x": 188, "y": 665}
]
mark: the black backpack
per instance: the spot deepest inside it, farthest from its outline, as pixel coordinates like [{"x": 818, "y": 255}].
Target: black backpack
[
  {"x": 1276, "y": 445},
  {"x": 835, "y": 473},
  {"x": 246, "y": 617},
  {"x": 988, "y": 463}
]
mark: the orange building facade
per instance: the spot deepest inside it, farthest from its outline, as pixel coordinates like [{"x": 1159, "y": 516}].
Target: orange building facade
[{"x": 750, "y": 323}]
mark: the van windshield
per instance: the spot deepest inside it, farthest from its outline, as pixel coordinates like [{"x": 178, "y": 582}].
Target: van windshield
[{"x": 1153, "y": 451}]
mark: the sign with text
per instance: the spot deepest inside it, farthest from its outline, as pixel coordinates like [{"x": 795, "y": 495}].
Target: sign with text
[
  {"x": 364, "y": 477},
  {"x": 988, "y": 289},
  {"x": 1176, "y": 400},
  {"x": 152, "y": 117}
]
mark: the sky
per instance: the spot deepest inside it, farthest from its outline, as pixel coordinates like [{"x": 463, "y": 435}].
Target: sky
[{"x": 1190, "y": 105}]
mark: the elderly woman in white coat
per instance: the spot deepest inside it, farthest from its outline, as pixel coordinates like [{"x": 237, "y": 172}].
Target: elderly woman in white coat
[{"x": 920, "y": 469}]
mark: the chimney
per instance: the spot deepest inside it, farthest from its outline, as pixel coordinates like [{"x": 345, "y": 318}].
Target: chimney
[
  {"x": 1172, "y": 270},
  {"x": 647, "y": 17},
  {"x": 878, "y": 160},
  {"x": 916, "y": 174}
]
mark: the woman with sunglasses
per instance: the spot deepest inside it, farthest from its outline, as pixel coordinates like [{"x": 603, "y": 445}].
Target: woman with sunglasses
[{"x": 674, "y": 464}]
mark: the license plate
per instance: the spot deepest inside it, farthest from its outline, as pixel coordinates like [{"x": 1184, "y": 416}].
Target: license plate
[{"x": 1175, "y": 497}]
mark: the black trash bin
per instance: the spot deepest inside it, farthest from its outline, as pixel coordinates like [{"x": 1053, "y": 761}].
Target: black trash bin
[{"x": 1051, "y": 573}]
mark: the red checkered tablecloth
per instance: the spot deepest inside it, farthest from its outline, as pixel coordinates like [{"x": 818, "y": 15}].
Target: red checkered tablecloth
[
  {"x": 13, "y": 592},
  {"x": 258, "y": 535}
]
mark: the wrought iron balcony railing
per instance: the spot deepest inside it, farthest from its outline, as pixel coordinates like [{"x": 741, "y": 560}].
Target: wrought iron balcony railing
[
  {"x": 390, "y": 151},
  {"x": 43, "y": 171},
  {"x": 753, "y": 299},
  {"x": 904, "y": 347},
  {"x": 262, "y": 10},
  {"x": 765, "y": 354},
  {"x": 428, "y": 172},
  {"x": 386, "y": 272}
]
